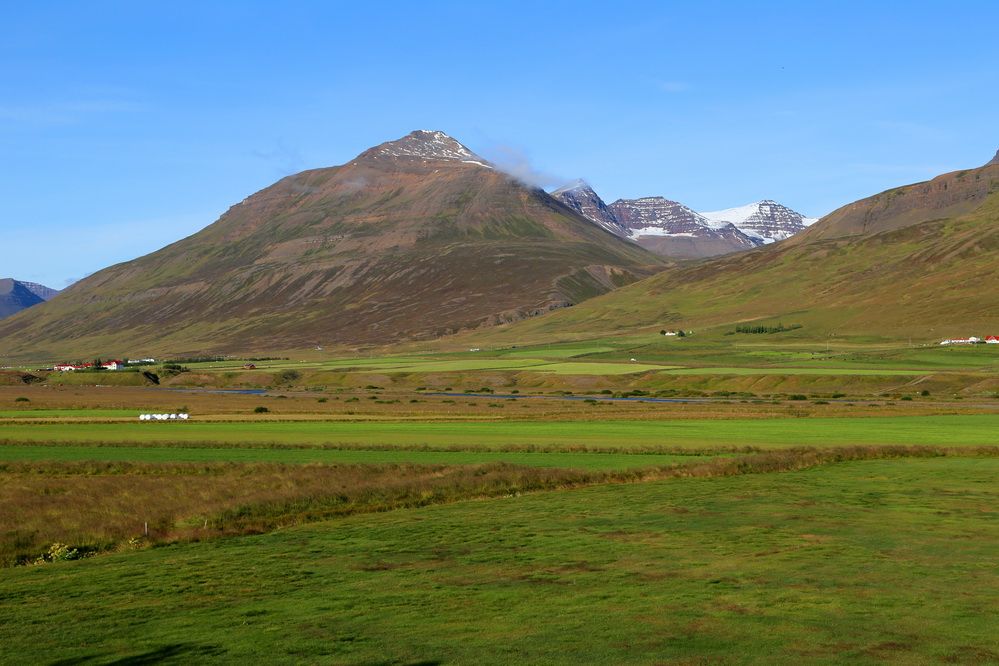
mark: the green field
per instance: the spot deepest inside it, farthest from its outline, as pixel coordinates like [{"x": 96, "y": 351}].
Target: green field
[
  {"x": 864, "y": 563},
  {"x": 794, "y": 371},
  {"x": 69, "y": 413},
  {"x": 953, "y": 430},
  {"x": 172, "y": 454}
]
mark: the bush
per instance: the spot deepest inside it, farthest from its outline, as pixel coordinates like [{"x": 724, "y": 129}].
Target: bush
[
  {"x": 21, "y": 398},
  {"x": 322, "y": 399},
  {"x": 260, "y": 410},
  {"x": 924, "y": 393},
  {"x": 59, "y": 552},
  {"x": 288, "y": 376},
  {"x": 797, "y": 396}
]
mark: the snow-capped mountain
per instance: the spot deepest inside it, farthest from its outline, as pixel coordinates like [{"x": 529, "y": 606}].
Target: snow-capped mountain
[
  {"x": 665, "y": 227},
  {"x": 765, "y": 221},
  {"x": 657, "y": 216},
  {"x": 580, "y": 197}
]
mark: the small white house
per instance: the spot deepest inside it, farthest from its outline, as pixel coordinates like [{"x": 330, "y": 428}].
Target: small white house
[{"x": 962, "y": 341}]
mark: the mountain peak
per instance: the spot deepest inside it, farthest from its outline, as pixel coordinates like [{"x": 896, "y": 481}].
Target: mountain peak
[
  {"x": 766, "y": 221},
  {"x": 427, "y": 145},
  {"x": 995, "y": 160},
  {"x": 578, "y": 184}
]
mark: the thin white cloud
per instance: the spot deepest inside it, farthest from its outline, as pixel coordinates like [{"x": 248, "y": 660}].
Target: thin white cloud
[{"x": 514, "y": 161}]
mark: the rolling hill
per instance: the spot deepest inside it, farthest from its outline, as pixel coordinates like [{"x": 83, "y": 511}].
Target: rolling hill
[
  {"x": 919, "y": 261},
  {"x": 412, "y": 239}
]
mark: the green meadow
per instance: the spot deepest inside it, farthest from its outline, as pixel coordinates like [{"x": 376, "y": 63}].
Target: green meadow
[
  {"x": 312, "y": 455},
  {"x": 946, "y": 430},
  {"x": 872, "y": 562}
]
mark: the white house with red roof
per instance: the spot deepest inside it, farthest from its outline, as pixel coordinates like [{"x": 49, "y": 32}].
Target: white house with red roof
[{"x": 107, "y": 365}]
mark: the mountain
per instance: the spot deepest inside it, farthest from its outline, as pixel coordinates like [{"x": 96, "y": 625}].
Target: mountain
[
  {"x": 918, "y": 261},
  {"x": 412, "y": 239},
  {"x": 40, "y": 290},
  {"x": 950, "y": 195},
  {"x": 671, "y": 229},
  {"x": 667, "y": 228},
  {"x": 765, "y": 221},
  {"x": 16, "y": 295},
  {"x": 580, "y": 197}
]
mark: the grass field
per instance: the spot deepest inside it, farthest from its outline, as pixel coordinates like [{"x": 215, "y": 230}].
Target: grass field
[
  {"x": 179, "y": 454},
  {"x": 764, "y": 568},
  {"x": 953, "y": 430},
  {"x": 373, "y": 525}
]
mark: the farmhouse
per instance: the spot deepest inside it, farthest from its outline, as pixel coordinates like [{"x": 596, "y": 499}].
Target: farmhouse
[
  {"x": 962, "y": 341},
  {"x": 992, "y": 339},
  {"x": 106, "y": 365}
]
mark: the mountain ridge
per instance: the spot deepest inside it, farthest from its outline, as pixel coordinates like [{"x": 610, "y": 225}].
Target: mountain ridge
[
  {"x": 674, "y": 230},
  {"x": 18, "y": 295}
]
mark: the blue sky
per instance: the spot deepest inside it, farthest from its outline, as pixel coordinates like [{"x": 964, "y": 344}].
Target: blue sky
[{"x": 126, "y": 126}]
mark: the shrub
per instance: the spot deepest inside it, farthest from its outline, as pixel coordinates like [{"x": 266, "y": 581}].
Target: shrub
[
  {"x": 21, "y": 398},
  {"x": 260, "y": 410},
  {"x": 797, "y": 396},
  {"x": 288, "y": 376},
  {"x": 59, "y": 552},
  {"x": 322, "y": 399},
  {"x": 924, "y": 393}
]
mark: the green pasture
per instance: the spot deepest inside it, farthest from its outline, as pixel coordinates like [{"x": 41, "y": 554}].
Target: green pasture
[
  {"x": 172, "y": 454},
  {"x": 884, "y": 372},
  {"x": 466, "y": 363},
  {"x": 950, "y": 430},
  {"x": 71, "y": 413},
  {"x": 888, "y": 561}
]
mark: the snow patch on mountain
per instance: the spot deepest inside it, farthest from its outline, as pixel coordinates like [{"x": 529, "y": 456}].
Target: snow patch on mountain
[
  {"x": 766, "y": 221},
  {"x": 430, "y": 145}
]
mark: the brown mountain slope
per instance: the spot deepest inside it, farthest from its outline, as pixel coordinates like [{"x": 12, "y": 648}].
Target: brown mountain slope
[
  {"x": 928, "y": 280},
  {"x": 412, "y": 239},
  {"x": 950, "y": 195}
]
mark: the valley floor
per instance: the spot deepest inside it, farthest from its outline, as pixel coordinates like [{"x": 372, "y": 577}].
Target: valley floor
[
  {"x": 374, "y": 519},
  {"x": 863, "y": 562}
]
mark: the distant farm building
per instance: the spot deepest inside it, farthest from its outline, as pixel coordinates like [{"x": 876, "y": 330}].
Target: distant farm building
[
  {"x": 249, "y": 366},
  {"x": 992, "y": 340},
  {"x": 106, "y": 365},
  {"x": 961, "y": 341}
]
